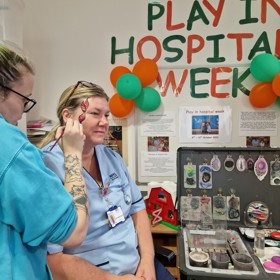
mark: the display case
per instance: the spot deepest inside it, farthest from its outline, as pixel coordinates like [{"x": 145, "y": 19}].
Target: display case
[{"x": 232, "y": 187}]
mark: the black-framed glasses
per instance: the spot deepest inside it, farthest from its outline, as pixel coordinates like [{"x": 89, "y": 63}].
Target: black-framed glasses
[
  {"x": 83, "y": 83},
  {"x": 28, "y": 104}
]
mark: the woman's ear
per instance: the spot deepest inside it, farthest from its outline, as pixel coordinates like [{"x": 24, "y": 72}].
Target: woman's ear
[{"x": 66, "y": 114}]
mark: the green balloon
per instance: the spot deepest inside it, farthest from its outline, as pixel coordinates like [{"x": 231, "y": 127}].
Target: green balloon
[
  {"x": 264, "y": 67},
  {"x": 278, "y": 101},
  {"x": 148, "y": 100},
  {"x": 128, "y": 86}
]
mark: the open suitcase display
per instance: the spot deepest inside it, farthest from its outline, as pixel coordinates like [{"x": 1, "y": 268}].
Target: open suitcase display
[{"x": 227, "y": 179}]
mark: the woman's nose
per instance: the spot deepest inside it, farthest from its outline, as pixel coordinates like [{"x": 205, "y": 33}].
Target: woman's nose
[{"x": 104, "y": 120}]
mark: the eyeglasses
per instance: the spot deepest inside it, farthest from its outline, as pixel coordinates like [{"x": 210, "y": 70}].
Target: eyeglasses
[
  {"x": 84, "y": 106},
  {"x": 83, "y": 83},
  {"x": 28, "y": 104}
]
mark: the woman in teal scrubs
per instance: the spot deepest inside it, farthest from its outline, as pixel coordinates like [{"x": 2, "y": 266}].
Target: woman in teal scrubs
[{"x": 35, "y": 208}]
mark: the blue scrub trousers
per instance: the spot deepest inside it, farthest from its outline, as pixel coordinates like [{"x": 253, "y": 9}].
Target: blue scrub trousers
[{"x": 161, "y": 272}]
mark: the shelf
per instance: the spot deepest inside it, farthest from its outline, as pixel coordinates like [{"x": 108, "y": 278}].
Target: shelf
[
  {"x": 174, "y": 271},
  {"x": 167, "y": 237},
  {"x": 172, "y": 248},
  {"x": 162, "y": 229}
]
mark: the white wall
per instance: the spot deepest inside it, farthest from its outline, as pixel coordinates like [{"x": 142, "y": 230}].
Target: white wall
[
  {"x": 70, "y": 40},
  {"x": 11, "y": 31}
]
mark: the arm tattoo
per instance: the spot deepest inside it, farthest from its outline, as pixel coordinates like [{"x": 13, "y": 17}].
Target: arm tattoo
[
  {"x": 80, "y": 197},
  {"x": 73, "y": 170},
  {"x": 73, "y": 174}
]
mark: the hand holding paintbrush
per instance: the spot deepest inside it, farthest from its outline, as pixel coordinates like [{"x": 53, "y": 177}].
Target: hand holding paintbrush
[{"x": 73, "y": 137}]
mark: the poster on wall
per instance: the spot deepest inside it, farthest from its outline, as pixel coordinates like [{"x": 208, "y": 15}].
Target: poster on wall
[
  {"x": 258, "y": 123},
  {"x": 158, "y": 124},
  {"x": 113, "y": 138},
  {"x": 205, "y": 124},
  {"x": 157, "y": 164}
]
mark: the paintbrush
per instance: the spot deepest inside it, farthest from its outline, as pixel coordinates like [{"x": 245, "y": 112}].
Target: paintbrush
[
  {"x": 84, "y": 106},
  {"x": 56, "y": 141}
]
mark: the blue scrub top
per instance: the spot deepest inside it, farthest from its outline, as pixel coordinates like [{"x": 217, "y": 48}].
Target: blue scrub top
[
  {"x": 34, "y": 208},
  {"x": 112, "y": 249}
]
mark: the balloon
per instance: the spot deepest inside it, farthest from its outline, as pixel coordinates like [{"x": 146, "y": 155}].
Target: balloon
[
  {"x": 265, "y": 67},
  {"x": 128, "y": 86},
  {"x": 120, "y": 107},
  {"x": 148, "y": 100},
  {"x": 118, "y": 72},
  {"x": 262, "y": 95},
  {"x": 278, "y": 101},
  {"x": 276, "y": 84},
  {"x": 146, "y": 70}
]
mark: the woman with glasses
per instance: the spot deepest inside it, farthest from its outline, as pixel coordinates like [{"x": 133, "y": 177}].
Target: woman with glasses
[
  {"x": 35, "y": 208},
  {"x": 119, "y": 239}
]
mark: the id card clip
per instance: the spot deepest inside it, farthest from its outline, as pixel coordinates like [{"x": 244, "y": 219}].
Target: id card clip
[{"x": 115, "y": 216}]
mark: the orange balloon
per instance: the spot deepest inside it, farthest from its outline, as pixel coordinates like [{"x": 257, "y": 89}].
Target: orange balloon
[
  {"x": 146, "y": 70},
  {"x": 262, "y": 95},
  {"x": 118, "y": 72},
  {"x": 120, "y": 107},
  {"x": 276, "y": 84}
]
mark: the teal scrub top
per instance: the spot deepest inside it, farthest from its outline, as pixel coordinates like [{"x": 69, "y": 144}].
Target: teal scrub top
[{"x": 34, "y": 208}]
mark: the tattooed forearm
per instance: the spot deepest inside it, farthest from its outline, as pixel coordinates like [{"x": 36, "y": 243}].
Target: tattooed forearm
[
  {"x": 80, "y": 197},
  {"x": 73, "y": 171},
  {"x": 74, "y": 177}
]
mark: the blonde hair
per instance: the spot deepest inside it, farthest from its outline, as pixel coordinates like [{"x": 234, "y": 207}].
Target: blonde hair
[
  {"x": 12, "y": 67},
  {"x": 71, "y": 99}
]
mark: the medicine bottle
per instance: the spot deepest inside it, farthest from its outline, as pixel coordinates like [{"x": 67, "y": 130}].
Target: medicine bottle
[{"x": 259, "y": 240}]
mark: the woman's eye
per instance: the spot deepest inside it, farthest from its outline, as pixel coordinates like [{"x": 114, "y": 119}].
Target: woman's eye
[{"x": 97, "y": 114}]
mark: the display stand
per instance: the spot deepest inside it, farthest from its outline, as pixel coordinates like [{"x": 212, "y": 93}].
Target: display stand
[{"x": 228, "y": 181}]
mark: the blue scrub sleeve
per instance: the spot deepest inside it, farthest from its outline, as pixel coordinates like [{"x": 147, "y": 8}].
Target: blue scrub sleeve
[
  {"x": 54, "y": 160},
  {"x": 54, "y": 248},
  {"x": 138, "y": 203}
]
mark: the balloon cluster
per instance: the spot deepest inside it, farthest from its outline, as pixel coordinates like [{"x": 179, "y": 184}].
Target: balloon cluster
[
  {"x": 132, "y": 88},
  {"x": 266, "y": 69}
]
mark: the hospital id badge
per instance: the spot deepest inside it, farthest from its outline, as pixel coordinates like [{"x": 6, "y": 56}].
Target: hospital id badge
[{"x": 115, "y": 216}]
